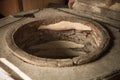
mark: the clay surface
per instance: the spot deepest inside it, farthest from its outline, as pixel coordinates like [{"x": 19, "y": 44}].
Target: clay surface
[
  {"x": 103, "y": 68},
  {"x": 63, "y": 39}
]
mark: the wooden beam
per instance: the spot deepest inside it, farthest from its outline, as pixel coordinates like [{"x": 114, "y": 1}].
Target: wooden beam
[
  {"x": 5, "y": 75},
  {"x": 15, "y": 69}
]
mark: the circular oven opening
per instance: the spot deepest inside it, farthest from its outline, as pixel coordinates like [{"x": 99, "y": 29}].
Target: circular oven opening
[{"x": 64, "y": 41}]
